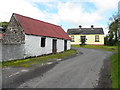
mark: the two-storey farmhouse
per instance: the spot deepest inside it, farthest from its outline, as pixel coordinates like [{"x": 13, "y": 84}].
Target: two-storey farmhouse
[{"x": 91, "y": 36}]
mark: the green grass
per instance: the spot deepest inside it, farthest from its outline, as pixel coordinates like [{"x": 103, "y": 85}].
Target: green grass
[
  {"x": 36, "y": 60},
  {"x": 107, "y": 48},
  {"x": 114, "y": 70}
]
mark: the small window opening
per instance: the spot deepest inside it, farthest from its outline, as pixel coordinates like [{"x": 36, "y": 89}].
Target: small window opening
[
  {"x": 96, "y": 38},
  {"x": 43, "y": 39}
]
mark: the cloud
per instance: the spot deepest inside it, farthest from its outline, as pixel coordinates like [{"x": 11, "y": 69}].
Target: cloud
[
  {"x": 19, "y": 6},
  {"x": 106, "y": 4},
  {"x": 74, "y": 14},
  {"x": 68, "y": 12}
]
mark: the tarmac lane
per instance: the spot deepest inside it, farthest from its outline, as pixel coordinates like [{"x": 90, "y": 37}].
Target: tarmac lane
[{"x": 80, "y": 71}]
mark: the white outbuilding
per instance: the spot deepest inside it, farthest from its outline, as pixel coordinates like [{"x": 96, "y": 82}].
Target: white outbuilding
[{"x": 34, "y": 37}]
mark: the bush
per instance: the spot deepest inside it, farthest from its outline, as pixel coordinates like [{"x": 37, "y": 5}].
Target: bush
[{"x": 110, "y": 42}]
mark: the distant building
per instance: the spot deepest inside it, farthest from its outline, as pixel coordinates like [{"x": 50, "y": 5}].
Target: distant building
[{"x": 91, "y": 36}]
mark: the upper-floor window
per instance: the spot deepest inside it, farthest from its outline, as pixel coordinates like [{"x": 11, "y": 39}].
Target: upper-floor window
[
  {"x": 43, "y": 39},
  {"x": 72, "y": 37},
  {"x": 96, "y": 38}
]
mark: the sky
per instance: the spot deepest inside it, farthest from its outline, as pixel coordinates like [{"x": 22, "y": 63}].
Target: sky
[{"x": 65, "y": 13}]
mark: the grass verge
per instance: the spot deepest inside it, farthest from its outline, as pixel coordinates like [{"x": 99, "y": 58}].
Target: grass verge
[
  {"x": 114, "y": 70},
  {"x": 107, "y": 48},
  {"x": 33, "y": 61}
]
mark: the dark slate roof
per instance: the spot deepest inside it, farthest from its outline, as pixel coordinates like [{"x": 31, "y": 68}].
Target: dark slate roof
[
  {"x": 36, "y": 27},
  {"x": 85, "y": 31}
]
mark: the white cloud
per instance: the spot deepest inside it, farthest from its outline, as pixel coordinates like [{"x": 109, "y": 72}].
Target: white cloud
[
  {"x": 74, "y": 14},
  {"x": 106, "y": 4},
  {"x": 70, "y": 11},
  {"x": 19, "y": 6}
]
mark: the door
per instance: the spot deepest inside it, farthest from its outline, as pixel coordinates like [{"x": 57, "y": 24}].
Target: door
[
  {"x": 83, "y": 39},
  {"x": 65, "y": 45},
  {"x": 54, "y": 46}
]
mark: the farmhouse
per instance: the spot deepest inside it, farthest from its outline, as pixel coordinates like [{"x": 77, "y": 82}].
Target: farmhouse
[
  {"x": 30, "y": 37},
  {"x": 91, "y": 36}
]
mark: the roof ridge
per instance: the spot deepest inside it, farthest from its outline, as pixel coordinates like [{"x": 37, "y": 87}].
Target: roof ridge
[
  {"x": 86, "y": 28},
  {"x": 36, "y": 19}
]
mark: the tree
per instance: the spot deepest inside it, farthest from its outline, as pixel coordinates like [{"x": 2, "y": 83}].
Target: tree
[
  {"x": 113, "y": 30},
  {"x": 113, "y": 37},
  {"x": 4, "y": 24}
]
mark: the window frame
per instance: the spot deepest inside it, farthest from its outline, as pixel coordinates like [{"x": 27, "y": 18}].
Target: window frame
[
  {"x": 72, "y": 38},
  {"x": 97, "y": 38},
  {"x": 43, "y": 41}
]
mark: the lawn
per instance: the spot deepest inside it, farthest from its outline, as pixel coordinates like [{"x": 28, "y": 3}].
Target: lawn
[
  {"x": 114, "y": 70},
  {"x": 107, "y": 48},
  {"x": 37, "y": 60},
  {"x": 115, "y": 63}
]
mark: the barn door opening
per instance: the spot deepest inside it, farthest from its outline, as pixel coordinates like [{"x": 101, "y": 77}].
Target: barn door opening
[
  {"x": 54, "y": 46},
  {"x": 65, "y": 45}
]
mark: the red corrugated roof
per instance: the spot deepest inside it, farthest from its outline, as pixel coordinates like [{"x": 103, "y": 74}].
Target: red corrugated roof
[{"x": 36, "y": 27}]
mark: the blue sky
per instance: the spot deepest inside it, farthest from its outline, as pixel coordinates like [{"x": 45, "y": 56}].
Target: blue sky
[{"x": 65, "y": 13}]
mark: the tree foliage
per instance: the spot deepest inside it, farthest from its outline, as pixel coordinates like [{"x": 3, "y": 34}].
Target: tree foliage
[
  {"x": 4, "y": 24},
  {"x": 113, "y": 35}
]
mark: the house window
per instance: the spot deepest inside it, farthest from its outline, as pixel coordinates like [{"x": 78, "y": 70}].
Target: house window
[
  {"x": 43, "y": 41},
  {"x": 72, "y": 37},
  {"x": 96, "y": 38}
]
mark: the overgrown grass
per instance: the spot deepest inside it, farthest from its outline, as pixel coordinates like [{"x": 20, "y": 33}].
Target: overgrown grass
[
  {"x": 36, "y": 60},
  {"x": 114, "y": 70},
  {"x": 107, "y": 48}
]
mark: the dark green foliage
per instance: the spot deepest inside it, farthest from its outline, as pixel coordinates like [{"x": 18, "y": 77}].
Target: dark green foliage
[
  {"x": 4, "y": 24},
  {"x": 113, "y": 37}
]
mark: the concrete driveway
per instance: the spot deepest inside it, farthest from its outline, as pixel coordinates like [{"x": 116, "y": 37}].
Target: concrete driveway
[{"x": 81, "y": 71}]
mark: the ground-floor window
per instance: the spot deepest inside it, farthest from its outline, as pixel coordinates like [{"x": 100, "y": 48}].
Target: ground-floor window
[
  {"x": 96, "y": 38},
  {"x": 43, "y": 39},
  {"x": 72, "y": 37}
]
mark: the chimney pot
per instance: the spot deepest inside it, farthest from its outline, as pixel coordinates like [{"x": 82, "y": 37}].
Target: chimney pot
[
  {"x": 80, "y": 26},
  {"x": 92, "y": 26}
]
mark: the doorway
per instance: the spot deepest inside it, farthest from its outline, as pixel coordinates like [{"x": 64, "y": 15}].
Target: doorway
[
  {"x": 83, "y": 40},
  {"x": 65, "y": 45},
  {"x": 54, "y": 46}
]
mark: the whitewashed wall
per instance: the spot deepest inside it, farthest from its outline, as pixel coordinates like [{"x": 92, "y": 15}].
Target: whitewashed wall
[
  {"x": 60, "y": 45},
  {"x": 33, "y": 45},
  {"x": 68, "y": 44}
]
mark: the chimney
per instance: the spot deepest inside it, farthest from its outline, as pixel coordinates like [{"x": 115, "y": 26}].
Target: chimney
[
  {"x": 92, "y": 26},
  {"x": 80, "y": 26}
]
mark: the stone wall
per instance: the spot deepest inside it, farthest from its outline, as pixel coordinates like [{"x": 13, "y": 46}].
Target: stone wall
[
  {"x": 14, "y": 33},
  {"x": 11, "y": 52}
]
